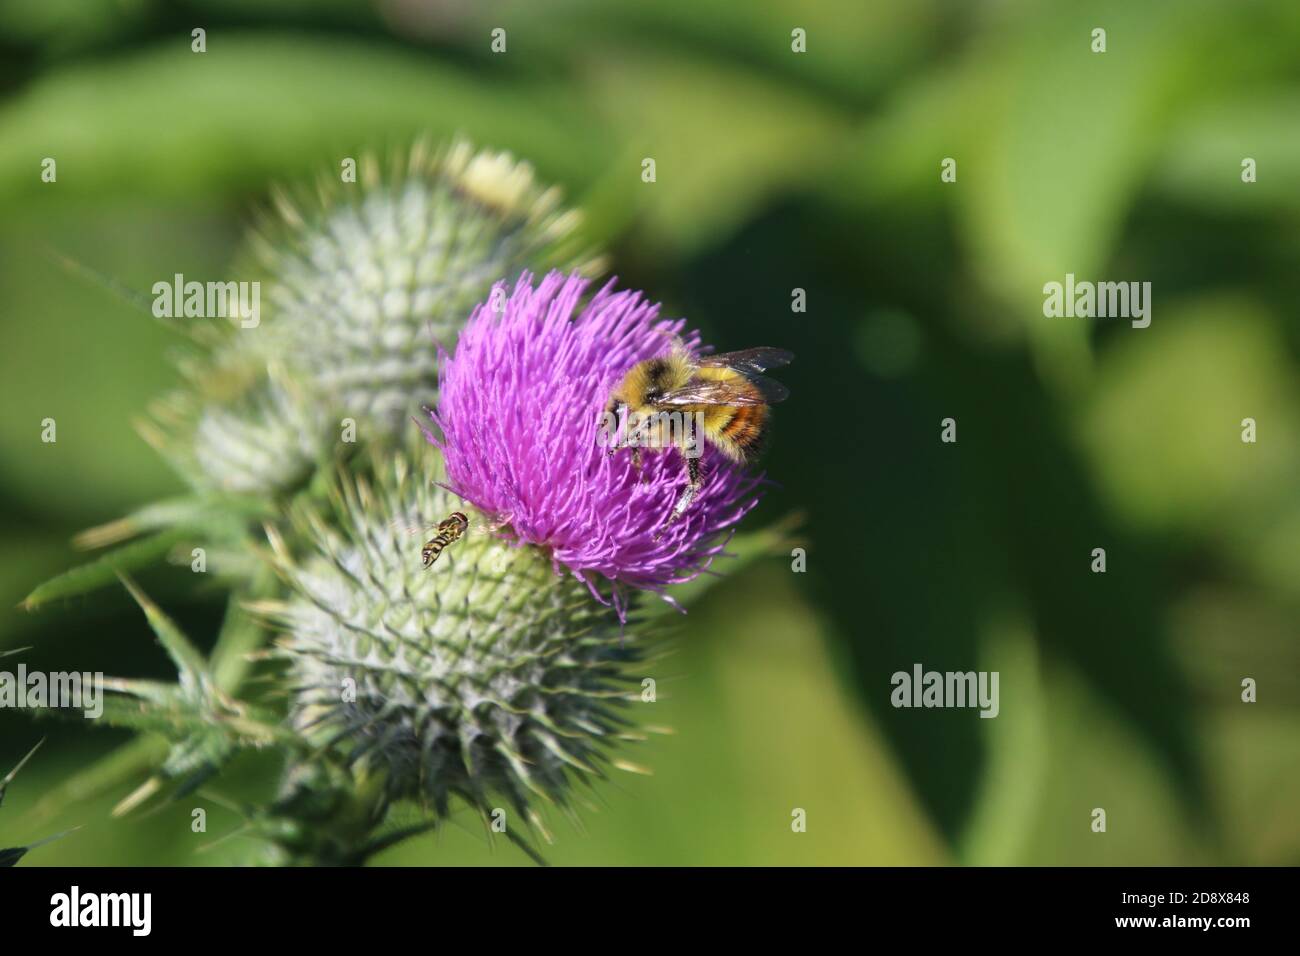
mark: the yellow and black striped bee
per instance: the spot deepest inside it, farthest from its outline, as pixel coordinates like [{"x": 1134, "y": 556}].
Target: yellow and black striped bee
[
  {"x": 724, "y": 396},
  {"x": 449, "y": 531}
]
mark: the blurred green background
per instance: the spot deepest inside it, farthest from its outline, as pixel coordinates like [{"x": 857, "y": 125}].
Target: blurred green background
[{"x": 775, "y": 171}]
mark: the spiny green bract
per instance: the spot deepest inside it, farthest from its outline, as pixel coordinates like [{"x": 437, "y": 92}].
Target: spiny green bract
[
  {"x": 9, "y": 856},
  {"x": 364, "y": 281},
  {"x": 488, "y": 676}
]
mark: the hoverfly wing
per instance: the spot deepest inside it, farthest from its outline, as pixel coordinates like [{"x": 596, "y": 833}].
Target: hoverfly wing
[
  {"x": 748, "y": 360},
  {"x": 405, "y": 526}
]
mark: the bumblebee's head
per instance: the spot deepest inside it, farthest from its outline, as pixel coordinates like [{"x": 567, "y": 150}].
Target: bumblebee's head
[
  {"x": 629, "y": 394},
  {"x": 646, "y": 383}
]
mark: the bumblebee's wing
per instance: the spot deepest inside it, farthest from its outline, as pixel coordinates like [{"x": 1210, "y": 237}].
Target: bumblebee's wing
[
  {"x": 748, "y": 360},
  {"x": 771, "y": 390},
  {"x": 703, "y": 392}
]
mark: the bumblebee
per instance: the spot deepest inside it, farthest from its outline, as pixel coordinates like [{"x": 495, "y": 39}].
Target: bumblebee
[{"x": 679, "y": 400}]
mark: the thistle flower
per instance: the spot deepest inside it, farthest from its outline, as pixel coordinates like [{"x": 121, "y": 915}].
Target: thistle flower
[
  {"x": 487, "y": 677},
  {"x": 519, "y": 415},
  {"x": 364, "y": 280}
]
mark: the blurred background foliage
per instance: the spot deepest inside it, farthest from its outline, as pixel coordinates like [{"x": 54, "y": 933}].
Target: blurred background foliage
[{"x": 775, "y": 171}]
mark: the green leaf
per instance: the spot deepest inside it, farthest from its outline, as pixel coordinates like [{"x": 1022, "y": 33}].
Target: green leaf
[
  {"x": 128, "y": 762},
  {"x": 9, "y": 777},
  {"x": 190, "y": 663},
  {"x": 1201, "y": 162},
  {"x": 11, "y": 855},
  {"x": 190, "y": 511},
  {"x": 710, "y": 177},
  {"x": 100, "y": 117},
  {"x": 241, "y": 634},
  {"x": 105, "y": 569}
]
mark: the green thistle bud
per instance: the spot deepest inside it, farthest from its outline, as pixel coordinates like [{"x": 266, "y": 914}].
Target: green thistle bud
[
  {"x": 364, "y": 282},
  {"x": 489, "y": 676},
  {"x": 269, "y": 437}
]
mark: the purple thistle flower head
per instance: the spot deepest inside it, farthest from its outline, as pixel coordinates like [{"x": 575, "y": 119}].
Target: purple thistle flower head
[{"x": 519, "y": 412}]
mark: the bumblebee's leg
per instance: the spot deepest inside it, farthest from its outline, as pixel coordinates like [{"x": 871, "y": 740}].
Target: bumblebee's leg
[
  {"x": 693, "y": 483},
  {"x": 636, "y": 461},
  {"x": 615, "y": 440}
]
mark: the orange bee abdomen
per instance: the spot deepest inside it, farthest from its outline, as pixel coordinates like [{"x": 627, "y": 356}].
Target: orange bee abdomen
[{"x": 746, "y": 425}]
